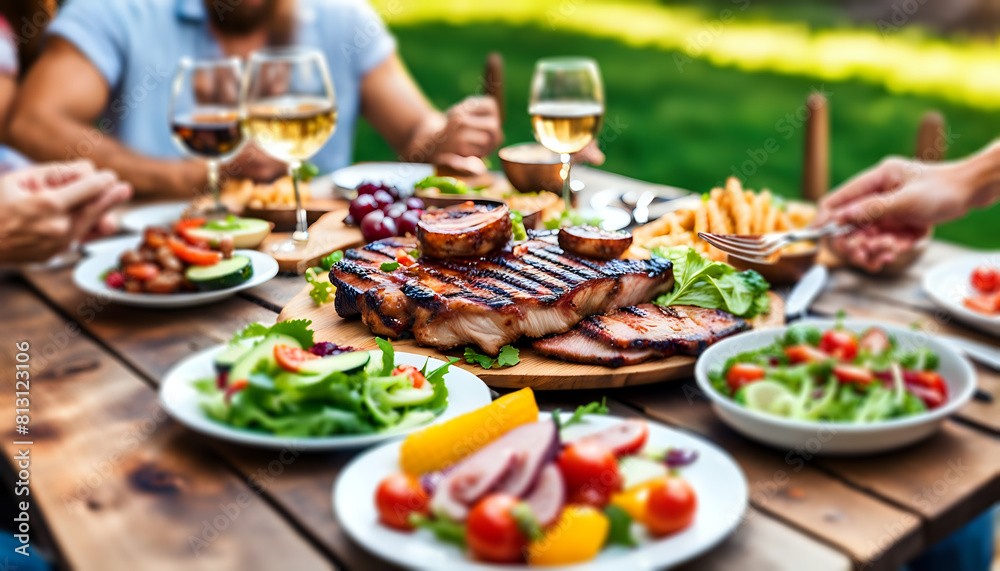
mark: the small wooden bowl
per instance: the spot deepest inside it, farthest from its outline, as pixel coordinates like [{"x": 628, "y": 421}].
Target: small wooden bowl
[
  {"x": 787, "y": 269},
  {"x": 531, "y": 167}
]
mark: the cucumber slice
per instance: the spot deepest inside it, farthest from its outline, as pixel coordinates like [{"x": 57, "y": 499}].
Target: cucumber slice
[
  {"x": 226, "y": 273},
  {"x": 768, "y": 396},
  {"x": 263, "y": 350},
  {"x": 225, "y": 360},
  {"x": 246, "y": 232},
  {"x": 344, "y": 363}
]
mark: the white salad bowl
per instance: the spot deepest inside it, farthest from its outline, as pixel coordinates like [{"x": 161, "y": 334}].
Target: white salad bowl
[{"x": 835, "y": 438}]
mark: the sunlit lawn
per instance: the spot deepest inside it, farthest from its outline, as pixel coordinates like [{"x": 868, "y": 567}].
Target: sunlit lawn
[{"x": 692, "y": 126}]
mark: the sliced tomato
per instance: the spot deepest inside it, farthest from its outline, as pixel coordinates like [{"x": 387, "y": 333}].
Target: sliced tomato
[
  {"x": 181, "y": 228},
  {"x": 291, "y": 358},
  {"x": 404, "y": 258},
  {"x": 986, "y": 279},
  {"x": 805, "y": 354},
  {"x": 839, "y": 344},
  {"x": 235, "y": 387},
  {"x": 626, "y": 437},
  {"x": 398, "y": 496},
  {"x": 927, "y": 379},
  {"x": 193, "y": 254},
  {"x": 742, "y": 374},
  {"x": 875, "y": 341},
  {"x": 931, "y": 398},
  {"x": 988, "y": 303},
  {"x": 852, "y": 374},
  {"x": 142, "y": 271},
  {"x": 416, "y": 377}
]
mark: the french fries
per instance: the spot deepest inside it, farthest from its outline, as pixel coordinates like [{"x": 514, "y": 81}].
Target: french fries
[{"x": 729, "y": 210}]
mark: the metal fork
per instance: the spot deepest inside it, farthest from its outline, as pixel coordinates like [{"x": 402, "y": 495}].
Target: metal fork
[{"x": 759, "y": 247}]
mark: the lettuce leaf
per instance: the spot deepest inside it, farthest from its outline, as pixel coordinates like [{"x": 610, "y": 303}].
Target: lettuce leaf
[{"x": 701, "y": 282}]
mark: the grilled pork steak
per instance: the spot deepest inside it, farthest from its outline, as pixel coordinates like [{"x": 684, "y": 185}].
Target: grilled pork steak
[
  {"x": 635, "y": 334},
  {"x": 534, "y": 289}
]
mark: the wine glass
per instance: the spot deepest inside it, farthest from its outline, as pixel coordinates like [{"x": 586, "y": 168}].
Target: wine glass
[
  {"x": 566, "y": 105},
  {"x": 290, "y": 110},
  {"x": 205, "y": 115}
]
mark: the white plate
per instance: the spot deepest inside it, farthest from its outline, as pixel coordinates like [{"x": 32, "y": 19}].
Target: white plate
[
  {"x": 948, "y": 284},
  {"x": 115, "y": 243},
  {"x": 401, "y": 175},
  {"x": 87, "y": 277},
  {"x": 163, "y": 214},
  {"x": 179, "y": 398},
  {"x": 718, "y": 482},
  {"x": 829, "y": 437}
]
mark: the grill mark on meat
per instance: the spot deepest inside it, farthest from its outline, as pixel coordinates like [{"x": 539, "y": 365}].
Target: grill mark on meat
[
  {"x": 493, "y": 300},
  {"x": 634, "y": 334}
]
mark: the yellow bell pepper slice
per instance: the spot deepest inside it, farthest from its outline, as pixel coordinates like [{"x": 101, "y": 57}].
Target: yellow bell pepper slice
[
  {"x": 633, "y": 500},
  {"x": 578, "y": 535}
]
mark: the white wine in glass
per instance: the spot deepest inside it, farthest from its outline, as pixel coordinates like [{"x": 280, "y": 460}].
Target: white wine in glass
[
  {"x": 290, "y": 112},
  {"x": 566, "y": 105}
]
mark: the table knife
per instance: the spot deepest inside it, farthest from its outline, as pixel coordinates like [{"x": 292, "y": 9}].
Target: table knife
[{"x": 805, "y": 292}]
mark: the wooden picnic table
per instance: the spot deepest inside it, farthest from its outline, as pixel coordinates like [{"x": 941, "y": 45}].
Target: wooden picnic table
[{"x": 116, "y": 484}]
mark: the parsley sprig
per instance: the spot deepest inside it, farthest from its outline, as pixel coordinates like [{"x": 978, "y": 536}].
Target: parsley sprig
[{"x": 508, "y": 357}]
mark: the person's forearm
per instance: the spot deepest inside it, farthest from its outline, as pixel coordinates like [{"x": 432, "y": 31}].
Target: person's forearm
[
  {"x": 425, "y": 140},
  {"x": 57, "y": 138},
  {"x": 984, "y": 172}
]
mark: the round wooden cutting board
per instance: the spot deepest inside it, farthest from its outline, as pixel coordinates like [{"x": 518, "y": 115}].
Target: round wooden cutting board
[{"x": 534, "y": 370}]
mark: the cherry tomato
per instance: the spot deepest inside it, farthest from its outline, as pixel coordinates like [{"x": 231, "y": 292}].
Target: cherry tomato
[
  {"x": 193, "y": 254},
  {"x": 235, "y": 387},
  {"x": 986, "y": 279},
  {"x": 988, "y": 303},
  {"x": 627, "y": 437},
  {"x": 416, "y": 377},
  {"x": 492, "y": 532},
  {"x": 181, "y": 228},
  {"x": 142, "y": 271},
  {"x": 840, "y": 344},
  {"x": 875, "y": 341},
  {"x": 670, "y": 506},
  {"x": 804, "y": 354},
  {"x": 591, "y": 472},
  {"x": 398, "y": 496},
  {"x": 742, "y": 374},
  {"x": 852, "y": 374},
  {"x": 291, "y": 358}
]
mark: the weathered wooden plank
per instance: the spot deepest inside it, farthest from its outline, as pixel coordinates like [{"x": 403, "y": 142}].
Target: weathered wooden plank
[
  {"x": 120, "y": 486},
  {"x": 788, "y": 487}
]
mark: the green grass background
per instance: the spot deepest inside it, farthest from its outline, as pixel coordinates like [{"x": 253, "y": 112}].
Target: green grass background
[{"x": 692, "y": 127}]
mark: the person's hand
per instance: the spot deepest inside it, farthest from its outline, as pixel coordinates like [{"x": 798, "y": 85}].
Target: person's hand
[
  {"x": 254, "y": 164},
  {"x": 892, "y": 206},
  {"x": 591, "y": 154},
  {"x": 49, "y": 207},
  {"x": 471, "y": 130}
]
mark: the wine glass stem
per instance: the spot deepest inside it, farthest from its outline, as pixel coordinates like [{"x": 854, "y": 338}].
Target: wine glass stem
[
  {"x": 564, "y": 172},
  {"x": 301, "y": 224},
  {"x": 213, "y": 183}
]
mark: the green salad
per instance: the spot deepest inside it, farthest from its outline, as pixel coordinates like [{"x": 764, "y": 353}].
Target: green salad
[
  {"x": 278, "y": 380},
  {"x": 714, "y": 285},
  {"x": 833, "y": 375}
]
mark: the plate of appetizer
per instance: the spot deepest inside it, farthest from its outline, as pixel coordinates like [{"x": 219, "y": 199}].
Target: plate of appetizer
[
  {"x": 551, "y": 309},
  {"x": 507, "y": 487},
  {"x": 275, "y": 201},
  {"x": 836, "y": 387},
  {"x": 969, "y": 289},
  {"x": 180, "y": 266},
  {"x": 277, "y": 387}
]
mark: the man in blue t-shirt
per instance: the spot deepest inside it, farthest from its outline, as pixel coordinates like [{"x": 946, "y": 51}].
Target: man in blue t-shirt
[{"x": 101, "y": 88}]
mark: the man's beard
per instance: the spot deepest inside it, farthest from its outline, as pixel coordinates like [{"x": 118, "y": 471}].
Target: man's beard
[{"x": 240, "y": 18}]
